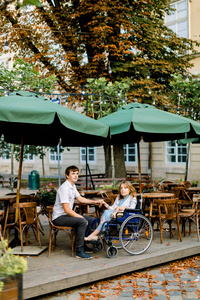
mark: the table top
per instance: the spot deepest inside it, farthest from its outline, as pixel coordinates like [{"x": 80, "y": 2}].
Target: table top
[
  {"x": 157, "y": 195},
  {"x": 88, "y": 192},
  {"x": 7, "y": 197},
  {"x": 11, "y": 197},
  {"x": 193, "y": 189}
]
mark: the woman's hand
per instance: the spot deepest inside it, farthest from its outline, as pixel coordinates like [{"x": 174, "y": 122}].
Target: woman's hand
[{"x": 99, "y": 202}]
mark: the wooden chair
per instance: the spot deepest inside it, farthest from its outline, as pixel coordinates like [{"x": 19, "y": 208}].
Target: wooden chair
[
  {"x": 27, "y": 218},
  {"x": 104, "y": 193},
  {"x": 162, "y": 186},
  {"x": 191, "y": 215},
  {"x": 168, "y": 212},
  {"x": 9, "y": 211},
  {"x": 184, "y": 198},
  {"x": 196, "y": 200},
  {"x": 53, "y": 231},
  {"x": 187, "y": 184}
]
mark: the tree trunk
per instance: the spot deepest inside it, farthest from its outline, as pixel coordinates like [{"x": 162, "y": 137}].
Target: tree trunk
[
  {"x": 43, "y": 170},
  {"x": 120, "y": 169},
  {"x": 119, "y": 163},
  {"x": 108, "y": 166}
]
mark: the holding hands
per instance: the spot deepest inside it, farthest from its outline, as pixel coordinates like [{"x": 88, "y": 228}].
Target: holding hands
[{"x": 101, "y": 202}]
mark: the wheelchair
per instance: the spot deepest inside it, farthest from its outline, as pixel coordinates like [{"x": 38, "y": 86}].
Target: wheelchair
[{"x": 130, "y": 230}]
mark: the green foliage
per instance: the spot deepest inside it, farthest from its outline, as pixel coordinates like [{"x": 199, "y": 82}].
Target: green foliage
[
  {"x": 106, "y": 97},
  {"x": 32, "y": 2},
  {"x": 10, "y": 264},
  {"x": 25, "y": 76},
  {"x": 114, "y": 186},
  {"x": 47, "y": 195},
  {"x": 187, "y": 90},
  {"x": 195, "y": 183},
  {"x": 112, "y": 39}
]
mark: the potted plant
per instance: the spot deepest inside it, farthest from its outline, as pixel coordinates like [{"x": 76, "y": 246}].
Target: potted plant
[
  {"x": 11, "y": 269},
  {"x": 47, "y": 195}
]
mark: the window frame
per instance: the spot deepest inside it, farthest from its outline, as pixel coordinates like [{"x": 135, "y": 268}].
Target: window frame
[
  {"x": 55, "y": 154},
  {"x": 127, "y": 162},
  {"x": 83, "y": 161},
  {"x": 178, "y": 20},
  {"x": 176, "y": 154}
]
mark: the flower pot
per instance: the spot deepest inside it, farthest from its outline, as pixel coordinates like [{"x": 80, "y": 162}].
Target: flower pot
[{"x": 13, "y": 287}]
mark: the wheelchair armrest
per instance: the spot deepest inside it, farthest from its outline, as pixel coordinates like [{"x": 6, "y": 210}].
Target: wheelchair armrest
[{"x": 132, "y": 210}]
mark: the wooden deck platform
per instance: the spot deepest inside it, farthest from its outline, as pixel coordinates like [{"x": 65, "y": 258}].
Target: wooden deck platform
[{"x": 62, "y": 271}]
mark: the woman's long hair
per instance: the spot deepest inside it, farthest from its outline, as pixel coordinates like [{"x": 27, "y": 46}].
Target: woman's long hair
[{"x": 132, "y": 191}]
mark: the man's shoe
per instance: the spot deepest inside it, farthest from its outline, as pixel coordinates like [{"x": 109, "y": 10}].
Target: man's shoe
[
  {"x": 83, "y": 255},
  {"x": 88, "y": 249}
]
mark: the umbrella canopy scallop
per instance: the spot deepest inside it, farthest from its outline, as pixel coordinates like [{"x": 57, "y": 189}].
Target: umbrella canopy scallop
[{"x": 43, "y": 123}]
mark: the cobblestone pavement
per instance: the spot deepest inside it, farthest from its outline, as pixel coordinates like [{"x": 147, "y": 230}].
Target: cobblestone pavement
[{"x": 176, "y": 281}]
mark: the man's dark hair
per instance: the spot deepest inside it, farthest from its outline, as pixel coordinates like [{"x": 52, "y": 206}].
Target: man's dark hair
[{"x": 71, "y": 168}]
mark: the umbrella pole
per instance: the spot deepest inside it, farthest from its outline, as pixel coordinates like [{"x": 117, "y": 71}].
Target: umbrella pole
[
  {"x": 16, "y": 241},
  {"x": 20, "y": 168},
  {"x": 139, "y": 167},
  {"x": 112, "y": 165},
  {"x": 187, "y": 160}
]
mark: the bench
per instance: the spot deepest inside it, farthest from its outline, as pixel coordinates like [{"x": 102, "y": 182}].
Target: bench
[
  {"x": 145, "y": 177},
  {"x": 5, "y": 181},
  {"x": 99, "y": 180}
]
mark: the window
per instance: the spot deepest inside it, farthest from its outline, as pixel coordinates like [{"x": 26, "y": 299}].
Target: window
[
  {"x": 130, "y": 153},
  {"x": 6, "y": 156},
  {"x": 53, "y": 155},
  {"x": 91, "y": 153},
  {"x": 29, "y": 157},
  {"x": 178, "y": 19},
  {"x": 175, "y": 153}
]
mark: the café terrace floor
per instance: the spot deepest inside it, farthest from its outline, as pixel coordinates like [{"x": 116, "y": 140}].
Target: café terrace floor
[{"x": 62, "y": 271}]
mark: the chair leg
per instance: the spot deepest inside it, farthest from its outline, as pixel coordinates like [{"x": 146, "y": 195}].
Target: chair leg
[
  {"x": 50, "y": 238},
  {"x": 179, "y": 231},
  {"x": 21, "y": 237},
  {"x": 170, "y": 228},
  {"x": 54, "y": 246},
  {"x": 161, "y": 228},
  {"x": 26, "y": 234},
  {"x": 197, "y": 222},
  {"x": 8, "y": 237},
  {"x": 6, "y": 220},
  {"x": 38, "y": 234}
]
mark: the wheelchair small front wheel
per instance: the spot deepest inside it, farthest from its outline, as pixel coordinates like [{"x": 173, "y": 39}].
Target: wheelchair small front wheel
[
  {"x": 112, "y": 251},
  {"x": 97, "y": 247},
  {"x": 136, "y": 234}
]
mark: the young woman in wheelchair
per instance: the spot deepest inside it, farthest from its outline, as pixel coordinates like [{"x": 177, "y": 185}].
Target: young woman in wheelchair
[{"x": 126, "y": 198}]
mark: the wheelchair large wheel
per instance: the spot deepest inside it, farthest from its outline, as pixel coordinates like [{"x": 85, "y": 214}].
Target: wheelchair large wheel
[{"x": 136, "y": 234}]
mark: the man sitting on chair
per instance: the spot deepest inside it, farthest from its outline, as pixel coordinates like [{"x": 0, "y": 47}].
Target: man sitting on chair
[{"x": 63, "y": 213}]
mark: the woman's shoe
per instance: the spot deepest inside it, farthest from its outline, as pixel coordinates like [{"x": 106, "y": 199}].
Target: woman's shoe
[{"x": 92, "y": 238}]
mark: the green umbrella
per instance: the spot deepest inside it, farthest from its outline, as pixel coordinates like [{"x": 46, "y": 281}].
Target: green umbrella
[
  {"x": 43, "y": 123},
  {"x": 136, "y": 121},
  {"x": 28, "y": 118}
]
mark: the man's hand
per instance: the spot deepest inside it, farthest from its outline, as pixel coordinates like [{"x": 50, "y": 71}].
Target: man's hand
[{"x": 99, "y": 202}]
